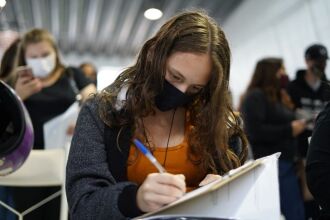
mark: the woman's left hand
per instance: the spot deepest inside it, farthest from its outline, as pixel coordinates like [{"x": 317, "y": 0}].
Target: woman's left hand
[{"x": 209, "y": 178}]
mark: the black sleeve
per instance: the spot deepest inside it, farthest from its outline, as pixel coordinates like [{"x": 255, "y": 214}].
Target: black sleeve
[
  {"x": 318, "y": 161},
  {"x": 254, "y": 114},
  {"x": 294, "y": 94},
  {"x": 81, "y": 80}
]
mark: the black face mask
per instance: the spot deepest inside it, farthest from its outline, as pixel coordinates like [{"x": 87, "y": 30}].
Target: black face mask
[
  {"x": 317, "y": 71},
  {"x": 171, "y": 97},
  {"x": 284, "y": 81},
  {"x": 319, "y": 67}
]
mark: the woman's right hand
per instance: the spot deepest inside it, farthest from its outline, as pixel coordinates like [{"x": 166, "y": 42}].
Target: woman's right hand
[
  {"x": 26, "y": 86},
  {"x": 298, "y": 126},
  {"x": 160, "y": 189}
]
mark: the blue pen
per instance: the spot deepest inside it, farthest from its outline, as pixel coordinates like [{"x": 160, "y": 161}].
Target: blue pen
[{"x": 147, "y": 153}]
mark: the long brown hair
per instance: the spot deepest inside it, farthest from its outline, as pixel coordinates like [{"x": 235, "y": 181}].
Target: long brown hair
[
  {"x": 8, "y": 62},
  {"x": 211, "y": 115},
  {"x": 264, "y": 78}
]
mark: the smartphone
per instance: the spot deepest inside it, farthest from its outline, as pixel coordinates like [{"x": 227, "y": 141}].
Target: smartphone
[{"x": 24, "y": 71}]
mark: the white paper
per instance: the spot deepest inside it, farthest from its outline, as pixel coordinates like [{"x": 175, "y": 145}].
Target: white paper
[
  {"x": 208, "y": 187},
  {"x": 55, "y": 130},
  {"x": 251, "y": 195}
]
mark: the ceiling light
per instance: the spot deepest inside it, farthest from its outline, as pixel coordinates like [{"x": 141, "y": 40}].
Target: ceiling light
[
  {"x": 2, "y": 3},
  {"x": 153, "y": 14}
]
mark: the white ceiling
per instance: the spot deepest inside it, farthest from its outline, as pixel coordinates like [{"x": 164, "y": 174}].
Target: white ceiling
[{"x": 101, "y": 27}]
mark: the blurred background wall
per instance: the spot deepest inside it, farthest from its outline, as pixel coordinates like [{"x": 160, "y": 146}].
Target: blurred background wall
[{"x": 281, "y": 28}]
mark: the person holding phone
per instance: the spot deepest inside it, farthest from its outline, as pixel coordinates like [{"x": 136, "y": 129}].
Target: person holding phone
[
  {"x": 48, "y": 89},
  {"x": 175, "y": 100}
]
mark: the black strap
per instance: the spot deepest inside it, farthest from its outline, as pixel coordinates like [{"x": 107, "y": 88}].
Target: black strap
[
  {"x": 117, "y": 148},
  {"x": 73, "y": 84}
]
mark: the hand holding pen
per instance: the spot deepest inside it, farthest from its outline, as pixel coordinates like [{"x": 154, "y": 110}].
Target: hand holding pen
[{"x": 158, "y": 189}]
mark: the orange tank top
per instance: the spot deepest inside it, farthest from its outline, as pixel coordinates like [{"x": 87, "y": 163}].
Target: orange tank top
[{"x": 177, "y": 162}]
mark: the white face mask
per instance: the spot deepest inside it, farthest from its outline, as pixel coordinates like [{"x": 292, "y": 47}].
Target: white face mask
[{"x": 42, "y": 67}]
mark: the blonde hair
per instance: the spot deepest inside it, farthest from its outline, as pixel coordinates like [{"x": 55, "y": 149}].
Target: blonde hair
[{"x": 34, "y": 36}]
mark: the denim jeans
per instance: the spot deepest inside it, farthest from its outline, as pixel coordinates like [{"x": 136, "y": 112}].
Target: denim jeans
[{"x": 292, "y": 205}]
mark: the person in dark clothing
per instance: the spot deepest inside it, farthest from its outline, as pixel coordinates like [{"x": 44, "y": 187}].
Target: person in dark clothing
[
  {"x": 175, "y": 100},
  {"x": 271, "y": 127},
  {"x": 318, "y": 162},
  {"x": 47, "y": 88},
  {"x": 310, "y": 92},
  {"x": 51, "y": 87}
]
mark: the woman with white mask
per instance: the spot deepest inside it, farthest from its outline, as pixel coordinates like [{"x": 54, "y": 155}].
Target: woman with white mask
[{"x": 48, "y": 88}]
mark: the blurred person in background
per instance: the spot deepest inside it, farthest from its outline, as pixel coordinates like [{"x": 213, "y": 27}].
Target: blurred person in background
[
  {"x": 310, "y": 92},
  {"x": 271, "y": 127},
  {"x": 51, "y": 87},
  {"x": 90, "y": 71},
  {"x": 48, "y": 88},
  {"x": 8, "y": 62}
]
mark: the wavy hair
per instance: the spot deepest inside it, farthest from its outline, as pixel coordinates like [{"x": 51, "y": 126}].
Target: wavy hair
[{"x": 210, "y": 114}]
